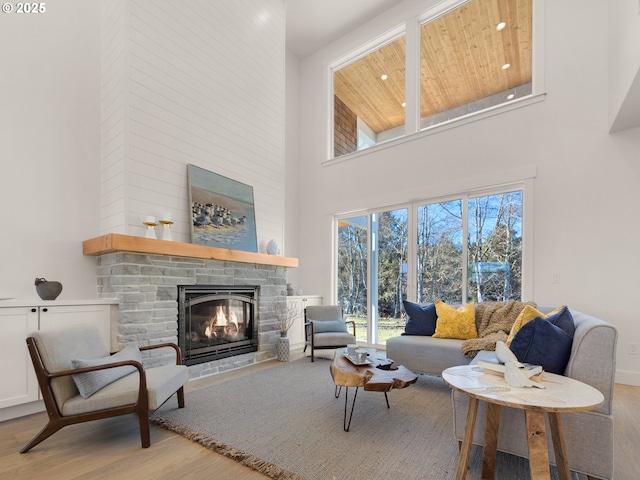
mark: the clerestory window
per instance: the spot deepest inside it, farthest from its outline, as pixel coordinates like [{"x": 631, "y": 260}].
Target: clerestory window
[
  {"x": 369, "y": 99},
  {"x": 473, "y": 56}
]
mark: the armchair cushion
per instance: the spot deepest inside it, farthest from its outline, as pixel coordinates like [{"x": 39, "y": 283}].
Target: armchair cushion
[
  {"x": 325, "y": 326},
  {"x": 89, "y": 383},
  {"x": 162, "y": 382}
]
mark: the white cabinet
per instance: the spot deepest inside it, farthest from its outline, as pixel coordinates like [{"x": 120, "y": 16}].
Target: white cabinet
[
  {"x": 65, "y": 315},
  {"x": 19, "y": 385},
  {"x": 299, "y": 303}
]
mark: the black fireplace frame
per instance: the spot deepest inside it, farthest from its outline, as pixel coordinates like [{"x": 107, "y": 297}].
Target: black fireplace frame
[{"x": 190, "y": 295}]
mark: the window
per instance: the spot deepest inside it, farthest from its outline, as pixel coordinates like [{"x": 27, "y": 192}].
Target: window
[
  {"x": 493, "y": 249},
  {"x": 388, "y": 272},
  {"x": 465, "y": 249},
  {"x": 368, "y": 99},
  {"x": 439, "y": 252},
  {"x": 353, "y": 276},
  {"x": 473, "y": 55}
]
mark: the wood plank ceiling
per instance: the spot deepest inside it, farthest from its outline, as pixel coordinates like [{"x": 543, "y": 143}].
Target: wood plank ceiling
[{"x": 462, "y": 58}]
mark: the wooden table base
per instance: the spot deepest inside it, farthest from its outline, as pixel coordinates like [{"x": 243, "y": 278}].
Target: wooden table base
[
  {"x": 536, "y": 441},
  {"x": 372, "y": 379}
]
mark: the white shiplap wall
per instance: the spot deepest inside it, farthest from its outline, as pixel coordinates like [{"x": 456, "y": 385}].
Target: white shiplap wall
[
  {"x": 113, "y": 98},
  {"x": 202, "y": 83}
]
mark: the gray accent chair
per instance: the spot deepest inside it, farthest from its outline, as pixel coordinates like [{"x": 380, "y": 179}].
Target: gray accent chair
[
  {"x": 325, "y": 339},
  {"x": 135, "y": 389}
]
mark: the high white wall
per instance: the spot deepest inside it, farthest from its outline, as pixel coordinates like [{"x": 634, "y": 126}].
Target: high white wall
[
  {"x": 92, "y": 145},
  {"x": 198, "y": 84},
  {"x": 585, "y": 189},
  {"x": 292, "y": 165},
  {"x": 49, "y": 147}
]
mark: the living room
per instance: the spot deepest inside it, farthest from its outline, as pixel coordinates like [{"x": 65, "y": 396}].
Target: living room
[{"x": 59, "y": 189}]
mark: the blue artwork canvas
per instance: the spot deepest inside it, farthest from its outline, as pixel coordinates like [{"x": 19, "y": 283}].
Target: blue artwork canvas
[{"x": 222, "y": 211}]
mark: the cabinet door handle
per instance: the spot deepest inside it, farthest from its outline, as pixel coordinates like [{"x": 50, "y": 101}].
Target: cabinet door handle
[
  {"x": 45, "y": 309},
  {"x": 33, "y": 310}
]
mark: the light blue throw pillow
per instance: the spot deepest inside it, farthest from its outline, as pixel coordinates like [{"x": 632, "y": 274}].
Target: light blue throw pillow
[
  {"x": 326, "y": 326},
  {"x": 89, "y": 383}
]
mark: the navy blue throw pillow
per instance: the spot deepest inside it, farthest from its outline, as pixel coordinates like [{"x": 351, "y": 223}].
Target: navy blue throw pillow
[
  {"x": 546, "y": 341},
  {"x": 422, "y": 319}
]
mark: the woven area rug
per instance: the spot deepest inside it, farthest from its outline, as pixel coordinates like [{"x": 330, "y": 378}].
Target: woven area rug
[{"x": 286, "y": 423}]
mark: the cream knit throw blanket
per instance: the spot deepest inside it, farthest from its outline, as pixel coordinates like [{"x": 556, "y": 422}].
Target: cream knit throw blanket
[{"x": 494, "y": 320}]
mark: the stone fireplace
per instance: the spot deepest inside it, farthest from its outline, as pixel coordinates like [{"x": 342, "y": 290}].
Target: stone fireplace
[{"x": 144, "y": 276}]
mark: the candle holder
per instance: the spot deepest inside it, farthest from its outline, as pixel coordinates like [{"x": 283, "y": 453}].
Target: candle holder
[
  {"x": 151, "y": 232},
  {"x": 166, "y": 230}
]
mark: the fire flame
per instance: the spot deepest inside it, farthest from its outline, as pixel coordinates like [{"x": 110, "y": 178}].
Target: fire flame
[{"x": 220, "y": 320}]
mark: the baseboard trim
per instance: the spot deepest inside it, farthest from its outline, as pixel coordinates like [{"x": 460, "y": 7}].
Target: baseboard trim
[
  {"x": 627, "y": 377},
  {"x": 25, "y": 409}
]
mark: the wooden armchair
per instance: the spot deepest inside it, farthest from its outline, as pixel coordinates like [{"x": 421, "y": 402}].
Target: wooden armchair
[
  {"x": 326, "y": 328},
  {"x": 104, "y": 385}
]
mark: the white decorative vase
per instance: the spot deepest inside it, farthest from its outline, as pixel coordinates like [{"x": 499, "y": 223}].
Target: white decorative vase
[
  {"x": 272, "y": 248},
  {"x": 282, "y": 349}
]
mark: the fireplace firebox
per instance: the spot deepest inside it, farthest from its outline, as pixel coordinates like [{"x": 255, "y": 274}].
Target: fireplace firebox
[{"x": 216, "y": 321}]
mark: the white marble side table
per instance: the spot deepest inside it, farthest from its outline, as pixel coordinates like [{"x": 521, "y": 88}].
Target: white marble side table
[{"x": 560, "y": 395}]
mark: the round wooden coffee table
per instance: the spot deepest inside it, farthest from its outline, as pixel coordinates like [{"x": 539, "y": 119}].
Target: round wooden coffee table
[
  {"x": 376, "y": 375},
  {"x": 560, "y": 395}
]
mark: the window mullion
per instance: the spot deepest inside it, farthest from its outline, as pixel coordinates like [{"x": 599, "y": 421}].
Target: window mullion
[
  {"x": 412, "y": 252},
  {"x": 412, "y": 77},
  {"x": 465, "y": 248}
]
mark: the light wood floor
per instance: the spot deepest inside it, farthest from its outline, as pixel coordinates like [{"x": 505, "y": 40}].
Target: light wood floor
[{"x": 108, "y": 449}]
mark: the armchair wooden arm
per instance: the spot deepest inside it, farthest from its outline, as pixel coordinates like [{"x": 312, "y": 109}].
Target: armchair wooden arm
[{"x": 353, "y": 326}]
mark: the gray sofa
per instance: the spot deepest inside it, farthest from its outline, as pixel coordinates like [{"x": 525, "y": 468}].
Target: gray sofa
[{"x": 589, "y": 435}]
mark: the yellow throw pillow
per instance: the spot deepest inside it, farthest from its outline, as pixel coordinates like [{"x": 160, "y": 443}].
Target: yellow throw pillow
[
  {"x": 527, "y": 314},
  {"x": 452, "y": 323}
]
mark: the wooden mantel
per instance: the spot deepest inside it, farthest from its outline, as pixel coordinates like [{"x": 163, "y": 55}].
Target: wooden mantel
[{"x": 114, "y": 242}]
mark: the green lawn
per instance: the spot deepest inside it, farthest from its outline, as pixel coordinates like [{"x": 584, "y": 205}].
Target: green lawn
[{"x": 387, "y": 327}]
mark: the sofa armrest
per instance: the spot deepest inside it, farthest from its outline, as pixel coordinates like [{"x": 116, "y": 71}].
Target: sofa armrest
[{"x": 593, "y": 356}]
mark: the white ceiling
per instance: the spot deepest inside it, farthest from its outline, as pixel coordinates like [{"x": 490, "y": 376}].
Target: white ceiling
[{"x": 313, "y": 24}]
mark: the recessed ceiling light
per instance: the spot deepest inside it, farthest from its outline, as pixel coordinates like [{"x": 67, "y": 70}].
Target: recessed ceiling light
[
  {"x": 384, "y": 77},
  {"x": 404, "y": 104},
  {"x": 500, "y": 26},
  {"x": 510, "y": 96},
  {"x": 505, "y": 66}
]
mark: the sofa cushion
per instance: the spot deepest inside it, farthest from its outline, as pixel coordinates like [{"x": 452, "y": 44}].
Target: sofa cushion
[
  {"x": 324, "y": 326},
  {"x": 526, "y": 315},
  {"x": 424, "y": 354},
  {"x": 546, "y": 341},
  {"x": 89, "y": 383},
  {"x": 452, "y": 323},
  {"x": 422, "y": 319}
]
